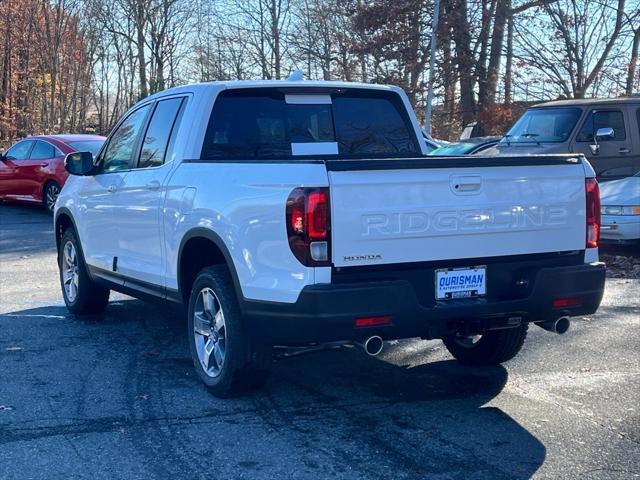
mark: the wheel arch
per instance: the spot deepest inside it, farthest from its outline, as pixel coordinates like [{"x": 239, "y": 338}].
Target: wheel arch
[
  {"x": 200, "y": 248},
  {"x": 63, "y": 220}
]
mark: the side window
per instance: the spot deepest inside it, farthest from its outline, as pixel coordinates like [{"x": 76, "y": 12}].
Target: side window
[
  {"x": 42, "y": 150},
  {"x": 119, "y": 153},
  {"x": 602, "y": 119},
  {"x": 156, "y": 139},
  {"x": 20, "y": 151},
  {"x": 638, "y": 119}
]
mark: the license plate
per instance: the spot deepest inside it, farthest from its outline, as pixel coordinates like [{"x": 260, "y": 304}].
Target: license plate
[{"x": 461, "y": 283}]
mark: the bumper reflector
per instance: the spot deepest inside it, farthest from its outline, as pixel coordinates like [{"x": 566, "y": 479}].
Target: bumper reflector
[
  {"x": 567, "y": 302},
  {"x": 373, "y": 321}
]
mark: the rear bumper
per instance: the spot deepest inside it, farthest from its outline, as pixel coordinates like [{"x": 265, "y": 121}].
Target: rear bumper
[
  {"x": 620, "y": 228},
  {"x": 327, "y": 312}
]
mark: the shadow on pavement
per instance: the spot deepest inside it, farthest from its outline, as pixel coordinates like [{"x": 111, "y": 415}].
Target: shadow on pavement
[
  {"x": 25, "y": 230},
  {"x": 333, "y": 414}
]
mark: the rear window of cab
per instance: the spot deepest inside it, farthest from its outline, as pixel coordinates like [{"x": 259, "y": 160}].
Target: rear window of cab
[{"x": 275, "y": 124}]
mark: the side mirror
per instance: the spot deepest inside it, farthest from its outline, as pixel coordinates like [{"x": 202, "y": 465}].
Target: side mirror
[
  {"x": 79, "y": 163},
  {"x": 605, "y": 133}
]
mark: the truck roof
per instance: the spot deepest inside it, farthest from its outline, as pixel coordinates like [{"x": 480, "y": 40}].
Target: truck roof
[
  {"x": 579, "y": 102},
  {"x": 233, "y": 84}
]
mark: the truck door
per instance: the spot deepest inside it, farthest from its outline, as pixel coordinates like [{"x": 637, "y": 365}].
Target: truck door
[
  {"x": 140, "y": 249},
  {"x": 612, "y": 158}
]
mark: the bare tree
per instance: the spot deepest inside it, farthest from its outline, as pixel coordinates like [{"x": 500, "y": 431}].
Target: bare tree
[{"x": 571, "y": 43}]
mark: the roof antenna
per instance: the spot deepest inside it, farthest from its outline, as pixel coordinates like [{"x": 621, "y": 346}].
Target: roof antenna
[{"x": 295, "y": 76}]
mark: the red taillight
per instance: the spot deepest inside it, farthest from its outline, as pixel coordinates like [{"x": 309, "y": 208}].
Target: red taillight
[
  {"x": 309, "y": 225},
  {"x": 317, "y": 215},
  {"x": 567, "y": 302},
  {"x": 593, "y": 212}
]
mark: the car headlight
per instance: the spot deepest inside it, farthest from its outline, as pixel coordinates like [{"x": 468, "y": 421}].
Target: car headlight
[{"x": 620, "y": 210}]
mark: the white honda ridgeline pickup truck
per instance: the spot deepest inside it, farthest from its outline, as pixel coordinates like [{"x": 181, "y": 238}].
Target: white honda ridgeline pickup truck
[{"x": 294, "y": 213}]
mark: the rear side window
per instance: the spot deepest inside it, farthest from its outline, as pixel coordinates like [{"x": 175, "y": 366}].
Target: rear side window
[
  {"x": 156, "y": 139},
  {"x": 20, "y": 151},
  {"x": 262, "y": 124},
  {"x": 602, "y": 119},
  {"x": 42, "y": 150}
]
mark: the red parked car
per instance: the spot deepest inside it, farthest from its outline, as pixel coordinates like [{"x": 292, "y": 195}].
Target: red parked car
[{"x": 33, "y": 171}]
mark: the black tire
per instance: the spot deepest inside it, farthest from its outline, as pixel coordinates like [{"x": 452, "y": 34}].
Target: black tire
[
  {"x": 90, "y": 298},
  {"x": 493, "y": 348},
  {"x": 49, "y": 196},
  {"x": 245, "y": 363}
]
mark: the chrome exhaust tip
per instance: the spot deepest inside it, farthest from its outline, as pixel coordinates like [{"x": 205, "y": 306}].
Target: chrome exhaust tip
[
  {"x": 372, "y": 345},
  {"x": 560, "y": 325}
]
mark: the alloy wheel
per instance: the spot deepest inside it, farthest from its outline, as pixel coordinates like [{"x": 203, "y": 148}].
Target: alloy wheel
[
  {"x": 209, "y": 332},
  {"x": 51, "y": 196},
  {"x": 70, "y": 271}
]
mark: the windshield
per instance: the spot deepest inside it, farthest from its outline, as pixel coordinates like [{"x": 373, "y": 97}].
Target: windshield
[
  {"x": 544, "y": 125},
  {"x": 454, "y": 149},
  {"x": 86, "y": 146}
]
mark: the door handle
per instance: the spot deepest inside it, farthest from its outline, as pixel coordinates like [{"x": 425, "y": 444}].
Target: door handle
[
  {"x": 624, "y": 150},
  {"x": 44, "y": 164},
  {"x": 111, "y": 188},
  {"x": 153, "y": 185}
]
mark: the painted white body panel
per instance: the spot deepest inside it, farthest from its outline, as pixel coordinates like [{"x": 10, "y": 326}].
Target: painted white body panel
[
  {"x": 398, "y": 216},
  {"x": 244, "y": 205}
]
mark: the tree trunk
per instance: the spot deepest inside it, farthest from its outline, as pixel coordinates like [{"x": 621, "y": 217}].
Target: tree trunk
[
  {"x": 462, "y": 38},
  {"x": 142, "y": 63},
  {"x": 495, "y": 55},
  {"x": 633, "y": 63},
  {"x": 508, "y": 74}
]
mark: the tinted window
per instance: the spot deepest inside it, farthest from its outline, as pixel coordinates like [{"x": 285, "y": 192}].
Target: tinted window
[
  {"x": 602, "y": 119},
  {"x": 92, "y": 146},
  {"x": 544, "y": 125},
  {"x": 261, "y": 124},
  {"x": 168, "y": 156},
  {"x": 366, "y": 125},
  {"x": 20, "y": 151},
  {"x": 156, "y": 139},
  {"x": 42, "y": 150},
  {"x": 119, "y": 152}
]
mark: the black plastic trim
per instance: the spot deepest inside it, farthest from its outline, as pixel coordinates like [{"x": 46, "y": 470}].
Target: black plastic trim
[
  {"x": 326, "y": 312},
  {"x": 201, "y": 232},
  {"x": 131, "y": 286},
  {"x": 431, "y": 162}
]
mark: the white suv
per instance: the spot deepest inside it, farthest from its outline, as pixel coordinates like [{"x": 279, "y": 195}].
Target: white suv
[{"x": 295, "y": 213}]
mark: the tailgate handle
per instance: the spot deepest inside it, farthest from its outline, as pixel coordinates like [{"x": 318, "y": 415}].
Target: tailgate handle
[{"x": 466, "y": 183}]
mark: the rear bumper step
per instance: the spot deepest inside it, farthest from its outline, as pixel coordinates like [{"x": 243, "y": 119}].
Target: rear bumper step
[{"x": 327, "y": 312}]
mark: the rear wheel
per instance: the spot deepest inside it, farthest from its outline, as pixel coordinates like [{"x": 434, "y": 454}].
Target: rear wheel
[
  {"x": 490, "y": 348},
  {"x": 81, "y": 294},
  {"x": 51, "y": 192},
  {"x": 226, "y": 359}
]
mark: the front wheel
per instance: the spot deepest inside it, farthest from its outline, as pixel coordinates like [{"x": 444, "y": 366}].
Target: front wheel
[
  {"x": 51, "y": 192},
  {"x": 490, "y": 348},
  {"x": 225, "y": 357},
  {"x": 82, "y": 295}
]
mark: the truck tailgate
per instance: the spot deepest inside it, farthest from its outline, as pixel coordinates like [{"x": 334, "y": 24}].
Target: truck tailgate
[{"x": 386, "y": 213}]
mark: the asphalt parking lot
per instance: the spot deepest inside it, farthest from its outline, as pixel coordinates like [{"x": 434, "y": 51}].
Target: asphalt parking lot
[{"x": 116, "y": 398}]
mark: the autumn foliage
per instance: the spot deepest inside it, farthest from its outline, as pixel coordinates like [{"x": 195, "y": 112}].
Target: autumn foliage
[{"x": 44, "y": 74}]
